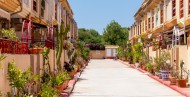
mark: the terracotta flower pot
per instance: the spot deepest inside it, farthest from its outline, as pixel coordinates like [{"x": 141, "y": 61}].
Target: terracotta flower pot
[
  {"x": 79, "y": 68},
  {"x": 182, "y": 83},
  {"x": 65, "y": 84},
  {"x": 173, "y": 80},
  {"x": 76, "y": 69},
  {"x": 72, "y": 73},
  {"x": 61, "y": 87},
  {"x": 35, "y": 50}
]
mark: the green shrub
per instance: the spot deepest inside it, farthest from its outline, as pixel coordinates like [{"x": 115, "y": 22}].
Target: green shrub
[
  {"x": 60, "y": 78},
  {"x": 48, "y": 91}
]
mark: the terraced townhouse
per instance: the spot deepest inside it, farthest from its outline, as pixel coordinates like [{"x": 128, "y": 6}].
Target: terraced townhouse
[
  {"x": 167, "y": 23},
  {"x": 44, "y": 13},
  {"x": 42, "y": 16}
]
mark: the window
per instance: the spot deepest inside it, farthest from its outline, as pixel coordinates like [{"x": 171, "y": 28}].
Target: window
[
  {"x": 162, "y": 13},
  {"x": 42, "y": 8},
  {"x": 189, "y": 7},
  {"x": 149, "y": 24},
  {"x": 26, "y": 2},
  {"x": 35, "y": 5},
  {"x": 181, "y": 9},
  {"x": 161, "y": 16},
  {"x": 152, "y": 22},
  {"x": 138, "y": 29},
  {"x": 145, "y": 25},
  {"x": 142, "y": 26},
  {"x": 173, "y": 8},
  {"x": 56, "y": 11}
]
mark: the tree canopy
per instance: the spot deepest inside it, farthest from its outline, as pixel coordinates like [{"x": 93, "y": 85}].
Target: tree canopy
[
  {"x": 114, "y": 34},
  {"x": 89, "y": 36}
]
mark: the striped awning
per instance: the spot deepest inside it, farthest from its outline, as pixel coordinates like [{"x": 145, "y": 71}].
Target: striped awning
[{"x": 4, "y": 14}]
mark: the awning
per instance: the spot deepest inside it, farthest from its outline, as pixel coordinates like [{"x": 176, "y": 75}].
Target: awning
[{"x": 4, "y": 14}]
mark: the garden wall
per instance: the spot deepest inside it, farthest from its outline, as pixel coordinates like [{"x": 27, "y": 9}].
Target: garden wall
[
  {"x": 97, "y": 54},
  {"x": 24, "y": 61},
  {"x": 188, "y": 55},
  {"x": 180, "y": 53},
  {"x": 152, "y": 53}
]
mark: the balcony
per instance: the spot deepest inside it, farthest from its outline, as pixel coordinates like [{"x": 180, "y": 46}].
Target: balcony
[
  {"x": 187, "y": 22},
  {"x": 158, "y": 29},
  {"x": 38, "y": 21},
  {"x": 171, "y": 23},
  {"x": 66, "y": 5},
  {"x": 153, "y": 4},
  {"x": 9, "y": 5}
]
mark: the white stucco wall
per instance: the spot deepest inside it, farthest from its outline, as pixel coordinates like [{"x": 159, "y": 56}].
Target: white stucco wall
[
  {"x": 168, "y": 11},
  {"x": 152, "y": 53},
  {"x": 183, "y": 55}
]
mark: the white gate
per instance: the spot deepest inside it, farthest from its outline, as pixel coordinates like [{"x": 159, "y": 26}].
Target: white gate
[
  {"x": 108, "y": 52},
  {"x": 114, "y": 52}
]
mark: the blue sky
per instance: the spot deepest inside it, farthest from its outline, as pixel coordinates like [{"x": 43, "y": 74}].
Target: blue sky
[{"x": 96, "y": 14}]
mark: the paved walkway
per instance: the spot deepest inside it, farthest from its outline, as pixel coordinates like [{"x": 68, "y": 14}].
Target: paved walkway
[{"x": 109, "y": 78}]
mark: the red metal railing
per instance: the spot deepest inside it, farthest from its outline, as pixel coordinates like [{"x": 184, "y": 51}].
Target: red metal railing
[
  {"x": 13, "y": 47},
  {"x": 5, "y": 45},
  {"x": 49, "y": 44}
]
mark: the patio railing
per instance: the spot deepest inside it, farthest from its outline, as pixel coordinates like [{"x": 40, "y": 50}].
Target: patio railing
[{"x": 13, "y": 47}]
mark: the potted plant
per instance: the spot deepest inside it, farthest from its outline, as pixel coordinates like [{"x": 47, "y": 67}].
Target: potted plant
[
  {"x": 173, "y": 74},
  {"x": 157, "y": 65},
  {"x": 79, "y": 62},
  {"x": 22, "y": 81},
  {"x": 73, "y": 71},
  {"x": 155, "y": 46},
  {"x": 173, "y": 77},
  {"x": 165, "y": 65},
  {"x": 67, "y": 44},
  {"x": 147, "y": 62},
  {"x": 9, "y": 34},
  {"x": 48, "y": 91},
  {"x": 69, "y": 68},
  {"x": 129, "y": 53},
  {"x": 162, "y": 67},
  {"x": 60, "y": 81},
  {"x": 37, "y": 48},
  {"x": 137, "y": 53},
  {"x": 181, "y": 82},
  {"x": 149, "y": 66}
]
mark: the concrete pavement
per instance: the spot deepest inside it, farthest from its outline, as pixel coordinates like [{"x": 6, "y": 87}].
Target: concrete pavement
[{"x": 109, "y": 78}]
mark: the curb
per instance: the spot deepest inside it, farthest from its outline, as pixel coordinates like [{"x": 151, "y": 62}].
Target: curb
[
  {"x": 71, "y": 84},
  {"x": 176, "y": 88}
]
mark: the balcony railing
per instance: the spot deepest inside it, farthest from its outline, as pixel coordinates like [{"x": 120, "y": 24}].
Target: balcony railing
[{"x": 13, "y": 47}]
